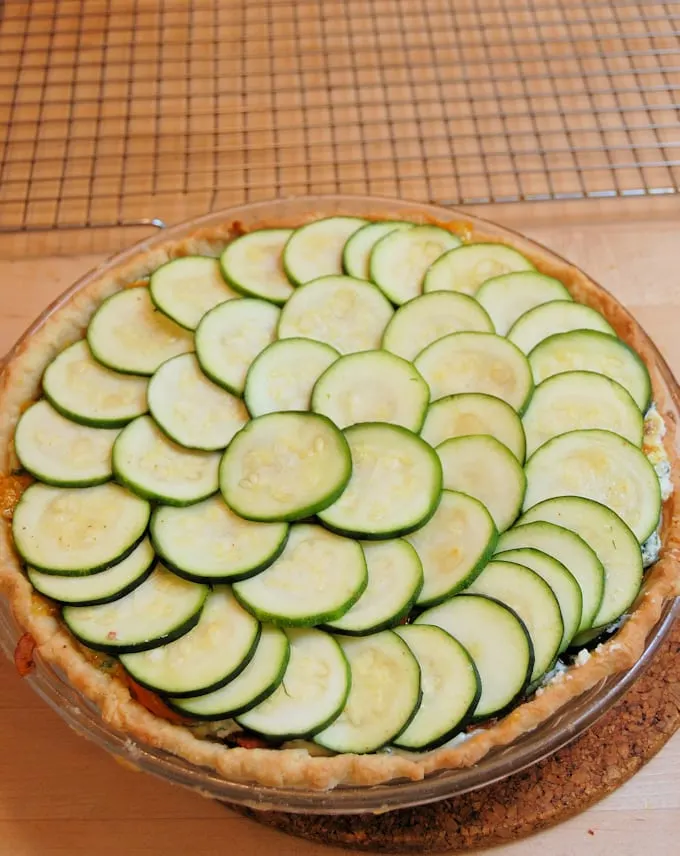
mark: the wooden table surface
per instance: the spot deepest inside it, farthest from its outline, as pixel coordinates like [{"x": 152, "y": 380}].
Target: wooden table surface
[{"x": 62, "y": 795}]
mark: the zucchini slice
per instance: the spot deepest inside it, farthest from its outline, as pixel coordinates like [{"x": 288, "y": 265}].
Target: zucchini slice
[
  {"x": 258, "y": 680},
  {"x": 163, "y": 608},
  {"x": 356, "y": 256},
  {"x": 474, "y": 413},
  {"x": 383, "y": 698},
  {"x": 155, "y": 467},
  {"x": 561, "y": 581},
  {"x": 69, "y": 531},
  {"x": 207, "y": 542},
  {"x": 510, "y": 295},
  {"x": 466, "y": 268},
  {"x": 282, "y": 377},
  {"x": 575, "y": 400},
  {"x": 532, "y": 599},
  {"x": 316, "y": 249},
  {"x": 477, "y": 362},
  {"x": 612, "y": 541},
  {"x": 60, "y": 452},
  {"x": 400, "y": 259},
  {"x": 102, "y": 587},
  {"x": 590, "y": 350},
  {"x": 498, "y": 642},
  {"x": 395, "y": 577},
  {"x": 429, "y": 317},
  {"x": 317, "y": 578},
  {"x": 252, "y": 265},
  {"x": 372, "y": 386},
  {"x": 312, "y": 693},
  {"x": 192, "y": 410},
  {"x": 185, "y": 289},
  {"x": 450, "y": 684},
  {"x": 453, "y": 546},
  {"x": 486, "y": 470},
  {"x": 555, "y": 317},
  {"x": 570, "y": 550},
  {"x": 394, "y": 487},
  {"x": 229, "y": 338},
  {"x": 597, "y": 465},
  {"x": 128, "y": 334},
  {"x": 346, "y": 313},
  {"x": 285, "y": 466},
  {"x": 213, "y": 652},
  {"x": 85, "y": 391}
]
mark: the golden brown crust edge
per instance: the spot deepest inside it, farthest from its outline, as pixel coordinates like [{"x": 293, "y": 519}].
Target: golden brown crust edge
[{"x": 20, "y": 383}]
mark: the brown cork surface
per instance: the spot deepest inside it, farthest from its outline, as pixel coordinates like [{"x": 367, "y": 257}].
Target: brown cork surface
[{"x": 551, "y": 791}]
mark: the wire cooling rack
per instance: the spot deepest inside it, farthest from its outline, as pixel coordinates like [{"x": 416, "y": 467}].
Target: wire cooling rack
[{"x": 115, "y": 112}]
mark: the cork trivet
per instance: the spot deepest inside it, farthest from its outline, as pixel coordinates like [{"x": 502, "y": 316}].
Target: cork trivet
[{"x": 551, "y": 791}]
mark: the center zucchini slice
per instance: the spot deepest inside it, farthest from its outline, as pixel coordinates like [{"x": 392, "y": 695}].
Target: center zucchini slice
[
  {"x": 510, "y": 295},
  {"x": 285, "y": 466},
  {"x": 316, "y": 249},
  {"x": 383, "y": 698},
  {"x": 185, "y": 289},
  {"x": 477, "y": 362},
  {"x": 601, "y": 466},
  {"x": 554, "y": 317},
  {"x": 466, "y": 268},
  {"x": 356, "y": 256},
  {"x": 317, "y": 578},
  {"x": 252, "y": 264},
  {"x": 373, "y": 386},
  {"x": 394, "y": 487},
  {"x": 213, "y": 652}
]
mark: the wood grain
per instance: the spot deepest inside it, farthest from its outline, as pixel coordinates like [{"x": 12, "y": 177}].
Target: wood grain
[{"x": 61, "y": 795}]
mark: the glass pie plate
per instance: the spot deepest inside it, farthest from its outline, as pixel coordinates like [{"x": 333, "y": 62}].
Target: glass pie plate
[{"x": 565, "y": 725}]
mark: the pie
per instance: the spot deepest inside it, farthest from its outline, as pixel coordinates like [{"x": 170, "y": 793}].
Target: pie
[{"x": 337, "y": 499}]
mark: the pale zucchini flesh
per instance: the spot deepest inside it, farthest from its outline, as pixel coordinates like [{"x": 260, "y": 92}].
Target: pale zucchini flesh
[
  {"x": 612, "y": 541},
  {"x": 102, "y": 587},
  {"x": 510, "y": 295},
  {"x": 346, "y": 313},
  {"x": 467, "y": 267},
  {"x": 61, "y": 452},
  {"x": 215, "y": 650},
  {"x": 356, "y": 255},
  {"x": 429, "y": 317},
  {"x": 394, "y": 486},
  {"x": 576, "y": 400},
  {"x": 601, "y": 466},
  {"x": 383, "y": 698},
  {"x": 450, "y": 685},
  {"x": 207, "y": 542},
  {"x": 496, "y": 640},
  {"x": 87, "y": 392},
  {"x": 400, "y": 260},
  {"x": 488, "y": 471},
  {"x": 590, "y": 350},
  {"x": 77, "y": 531},
  {"x": 373, "y": 386},
  {"x": 453, "y": 546},
  {"x": 312, "y": 693},
  {"x": 395, "y": 577},
  {"x": 258, "y": 680},
  {"x": 304, "y": 586},
  {"x": 283, "y": 375},
  {"x": 474, "y": 413},
  {"x": 191, "y": 409},
  {"x": 185, "y": 289},
  {"x": 285, "y": 466},
  {"x": 555, "y": 317},
  {"x": 253, "y": 265},
  {"x": 128, "y": 334},
  {"x": 163, "y": 608},
  {"x": 231, "y": 336},
  {"x": 477, "y": 362},
  {"x": 316, "y": 249},
  {"x": 568, "y": 548}
]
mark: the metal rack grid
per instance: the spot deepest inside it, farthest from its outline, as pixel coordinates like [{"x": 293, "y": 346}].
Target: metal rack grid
[{"x": 121, "y": 111}]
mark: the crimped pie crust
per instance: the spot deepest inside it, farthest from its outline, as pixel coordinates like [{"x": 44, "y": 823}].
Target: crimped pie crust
[{"x": 20, "y": 385}]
